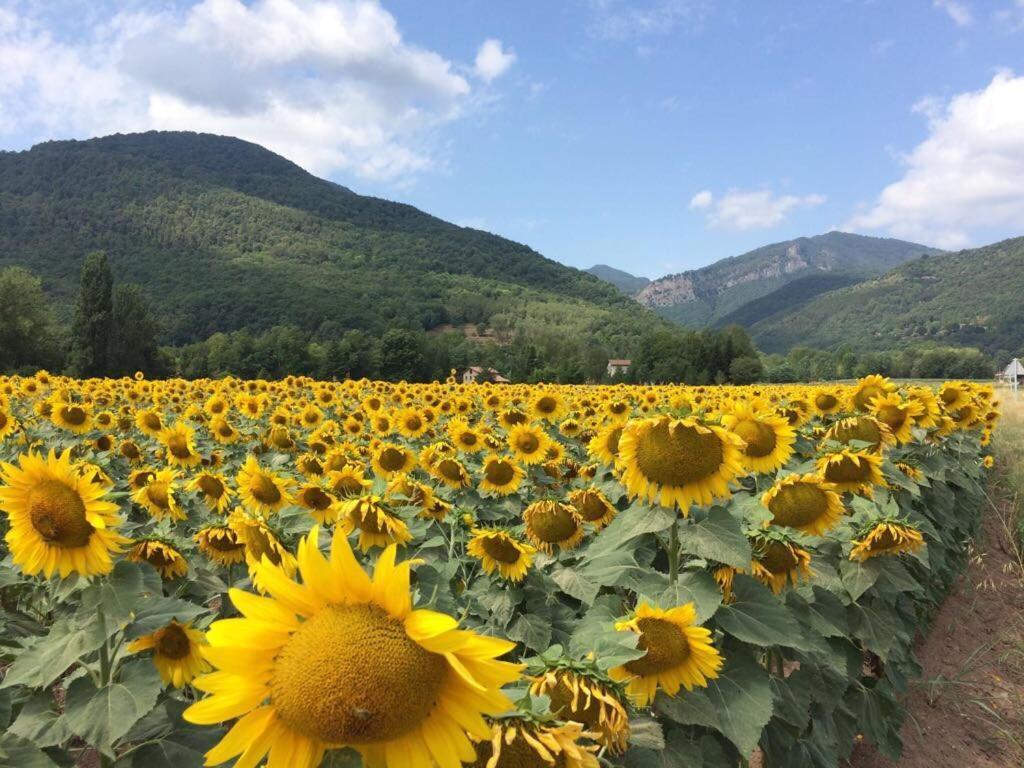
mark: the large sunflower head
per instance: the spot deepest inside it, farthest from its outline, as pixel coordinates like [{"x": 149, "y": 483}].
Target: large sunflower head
[
  {"x": 60, "y": 522},
  {"x": 177, "y": 652},
  {"x": 500, "y": 475},
  {"x": 260, "y": 543},
  {"x": 74, "y": 417},
  {"x": 528, "y": 443},
  {"x": 521, "y": 742},
  {"x": 853, "y": 471},
  {"x": 897, "y": 414},
  {"x": 805, "y": 503},
  {"x": 862, "y": 429},
  {"x": 343, "y": 660},
  {"x": 168, "y": 561},
  {"x": 451, "y": 472},
  {"x": 604, "y": 446},
  {"x": 767, "y": 436},
  {"x": 677, "y": 653},
  {"x": 260, "y": 489},
  {"x": 314, "y": 497},
  {"x": 149, "y": 422},
  {"x": 887, "y": 537},
  {"x": 213, "y": 489},
  {"x": 552, "y": 525},
  {"x": 678, "y": 462},
  {"x": 584, "y": 696},
  {"x": 498, "y": 550}
]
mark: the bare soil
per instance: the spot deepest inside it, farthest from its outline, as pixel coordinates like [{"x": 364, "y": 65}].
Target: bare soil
[{"x": 967, "y": 710}]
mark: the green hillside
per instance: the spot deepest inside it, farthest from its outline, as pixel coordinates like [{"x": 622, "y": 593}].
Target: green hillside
[
  {"x": 625, "y": 282},
  {"x": 971, "y": 298},
  {"x": 787, "y": 298},
  {"x": 223, "y": 234},
  {"x": 710, "y": 295}
]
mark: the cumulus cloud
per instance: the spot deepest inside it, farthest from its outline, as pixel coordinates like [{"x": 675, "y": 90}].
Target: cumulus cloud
[
  {"x": 967, "y": 175},
  {"x": 750, "y": 209},
  {"x": 492, "y": 60},
  {"x": 958, "y": 11},
  {"x": 331, "y": 84}
]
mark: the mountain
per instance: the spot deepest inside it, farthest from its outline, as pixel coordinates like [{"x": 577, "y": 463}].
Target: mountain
[
  {"x": 971, "y": 298},
  {"x": 625, "y": 282},
  {"x": 707, "y": 296},
  {"x": 223, "y": 234}
]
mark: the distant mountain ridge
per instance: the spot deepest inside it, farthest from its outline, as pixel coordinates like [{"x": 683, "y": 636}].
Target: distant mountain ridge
[
  {"x": 709, "y": 295},
  {"x": 625, "y": 282}
]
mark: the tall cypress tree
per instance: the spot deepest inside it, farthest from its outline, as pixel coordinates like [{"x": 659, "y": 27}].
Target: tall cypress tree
[
  {"x": 133, "y": 333},
  {"x": 90, "y": 331}
]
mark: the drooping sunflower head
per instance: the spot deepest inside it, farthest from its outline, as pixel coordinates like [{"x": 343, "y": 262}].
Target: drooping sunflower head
[
  {"x": 552, "y": 525},
  {"x": 348, "y": 481},
  {"x": 500, "y": 475},
  {"x": 343, "y": 660},
  {"x": 177, "y": 652},
  {"x": 854, "y": 471},
  {"x": 678, "y": 462},
  {"x": 168, "y": 561},
  {"x": 861, "y": 429},
  {"x": 583, "y": 695},
  {"x": 887, "y": 537},
  {"x": 315, "y": 497},
  {"x": 593, "y": 507},
  {"x": 60, "y": 522},
  {"x": 223, "y": 431},
  {"x": 768, "y": 438},
  {"x": 677, "y": 653},
  {"x": 260, "y": 489},
  {"x": 778, "y": 561},
  {"x": 378, "y": 526},
  {"x": 521, "y": 742},
  {"x": 260, "y": 542},
  {"x": 805, "y": 503},
  {"x": 498, "y": 550},
  {"x": 451, "y": 472},
  {"x": 221, "y": 543}
]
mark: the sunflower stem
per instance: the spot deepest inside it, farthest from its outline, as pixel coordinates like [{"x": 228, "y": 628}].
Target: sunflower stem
[{"x": 673, "y": 551}]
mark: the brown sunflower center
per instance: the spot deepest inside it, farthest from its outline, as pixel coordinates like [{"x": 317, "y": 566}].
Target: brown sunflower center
[
  {"x": 547, "y": 405},
  {"x": 58, "y": 514},
  {"x": 826, "y": 402},
  {"x": 413, "y": 423},
  {"x": 172, "y": 642},
  {"x": 316, "y": 498},
  {"x": 158, "y": 495},
  {"x": 519, "y": 754},
  {"x": 351, "y": 674},
  {"x": 502, "y": 549},
  {"x": 527, "y": 442},
  {"x": 553, "y": 523},
  {"x": 211, "y": 486},
  {"x": 666, "y": 647},
  {"x": 677, "y": 454},
  {"x": 392, "y": 459},
  {"x": 451, "y": 470},
  {"x": 848, "y": 470},
  {"x": 798, "y": 505},
  {"x": 73, "y": 415},
  {"x": 778, "y": 558},
  {"x": 499, "y": 472},
  {"x": 760, "y": 437},
  {"x": 264, "y": 489}
]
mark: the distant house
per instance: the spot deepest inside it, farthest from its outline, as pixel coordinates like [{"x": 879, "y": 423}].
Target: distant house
[
  {"x": 476, "y": 373},
  {"x": 1013, "y": 373},
  {"x": 618, "y": 367}
]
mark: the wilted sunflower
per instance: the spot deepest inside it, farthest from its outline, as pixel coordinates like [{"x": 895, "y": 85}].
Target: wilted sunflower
[
  {"x": 157, "y": 496},
  {"x": 678, "y": 461},
  {"x": 390, "y": 459},
  {"x": 59, "y": 520},
  {"x": 500, "y": 551},
  {"x": 221, "y": 544},
  {"x": 519, "y": 742},
  {"x": 804, "y": 502},
  {"x": 179, "y": 440},
  {"x": 168, "y": 561},
  {"x": 889, "y": 537},
  {"x": 528, "y": 443},
  {"x": 853, "y": 471},
  {"x": 213, "y": 489},
  {"x": 769, "y": 438},
  {"x": 177, "y": 652},
  {"x": 585, "y": 697},
  {"x": 551, "y": 525},
  {"x": 778, "y": 562},
  {"x": 677, "y": 653},
  {"x": 593, "y": 507},
  {"x": 340, "y": 660},
  {"x": 261, "y": 490},
  {"x": 377, "y": 526},
  {"x": 500, "y": 475}
]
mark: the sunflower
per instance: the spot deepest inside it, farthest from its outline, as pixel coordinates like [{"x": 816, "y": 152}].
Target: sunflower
[
  {"x": 865, "y": 429},
  {"x": 223, "y": 431},
  {"x": 157, "y": 496},
  {"x": 677, "y": 653},
  {"x": 724, "y": 575},
  {"x": 500, "y": 551},
  {"x": 314, "y": 497},
  {"x": 954, "y": 395},
  {"x": 166, "y": 559},
  {"x": 221, "y": 544},
  {"x": 500, "y": 475},
  {"x": 464, "y": 437},
  {"x": 348, "y": 481},
  {"x": 402, "y": 491},
  {"x": 59, "y": 521},
  {"x": 411, "y": 423},
  {"x": 551, "y": 524},
  {"x": 805, "y": 503},
  {"x": 547, "y": 405},
  {"x": 340, "y": 660},
  {"x": 854, "y": 471},
  {"x": 897, "y": 414},
  {"x": 451, "y": 472},
  {"x": 528, "y": 443},
  {"x": 769, "y": 438},
  {"x": 179, "y": 440},
  {"x": 213, "y": 489},
  {"x": 74, "y": 417},
  {"x": 377, "y": 526},
  {"x": 888, "y": 537},
  {"x": 583, "y": 697},
  {"x": 519, "y": 742},
  {"x": 604, "y": 446},
  {"x": 7, "y": 424},
  {"x": 778, "y": 562},
  {"x": 926, "y": 398},
  {"x": 260, "y": 542},
  {"x": 177, "y": 652},
  {"x": 825, "y": 402},
  {"x": 149, "y": 422},
  {"x": 867, "y": 389},
  {"x": 260, "y": 490},
  {"x": 593, "y": 507},
  {"x": 389, "y": 460},
  {"x": 678, "y": 461}
]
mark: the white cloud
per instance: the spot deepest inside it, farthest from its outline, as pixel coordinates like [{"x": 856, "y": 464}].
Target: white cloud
[
  {"x": 492, "y": 60},
  {"x": 633, "y": 20},
  {"x": 331, "y": 84},
  {"x": 958, "y": 11},
  {"x": 750, "y": 209},
  {"x": 967, "y": 175}
]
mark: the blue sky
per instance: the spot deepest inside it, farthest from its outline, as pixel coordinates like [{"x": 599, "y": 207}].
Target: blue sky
[{"x": 655, "y": 136}]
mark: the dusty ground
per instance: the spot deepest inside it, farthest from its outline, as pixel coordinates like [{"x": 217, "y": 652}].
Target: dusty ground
[{"x": 968, "y": 709}]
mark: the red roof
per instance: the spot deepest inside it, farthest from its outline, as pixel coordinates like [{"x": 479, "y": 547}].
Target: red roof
[{"x": 620, "y": 362}]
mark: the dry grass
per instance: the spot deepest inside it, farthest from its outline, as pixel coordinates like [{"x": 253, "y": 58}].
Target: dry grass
[{"x": 1008, "y": 479}]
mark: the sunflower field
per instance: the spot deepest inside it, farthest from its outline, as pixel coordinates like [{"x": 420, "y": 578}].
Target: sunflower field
[{"x": 300, "y": 573}]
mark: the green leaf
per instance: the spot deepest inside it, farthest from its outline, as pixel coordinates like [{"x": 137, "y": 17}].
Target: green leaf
[
  {"x": 719, "y": 537},
  {"x": 697, "y": 587},
  {"x": 857, "y": 577},
  {"x": 102, "y": 716},
  {"x": 40, "y": 722},
  {"x": 630, "y": 523},
  {"x": 531, "y": 630},
  {"x": 575, "y": 584},
  {"x": 756, "y": 616},
  {"x": 157, "y": 612},
  {"x": 48, "y": 657},
  {"x": 18, "y": 752},
  {"x": 737, "y": 704}
]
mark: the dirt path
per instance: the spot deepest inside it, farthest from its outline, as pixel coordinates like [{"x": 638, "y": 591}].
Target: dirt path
[{"x": 967, "y": 711}]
